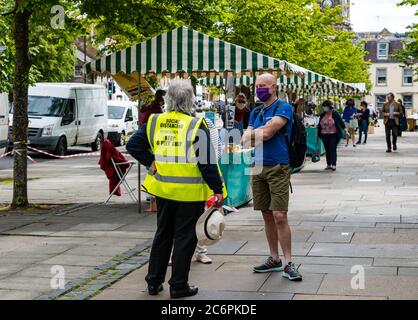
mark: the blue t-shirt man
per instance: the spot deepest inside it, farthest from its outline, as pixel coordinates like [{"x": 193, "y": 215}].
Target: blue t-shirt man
[{"x": 275, "y": 150}]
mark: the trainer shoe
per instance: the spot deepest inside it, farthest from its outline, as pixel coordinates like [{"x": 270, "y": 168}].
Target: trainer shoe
[
  {"x": 270, "y": 265},
  {"x": 291, "y": 272},
  {"x": 203, "y": 258}
]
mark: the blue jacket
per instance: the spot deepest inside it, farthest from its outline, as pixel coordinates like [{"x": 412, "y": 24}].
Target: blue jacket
[{"x": 347, "y": 115}]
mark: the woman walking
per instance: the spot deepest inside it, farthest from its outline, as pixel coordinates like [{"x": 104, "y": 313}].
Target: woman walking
[
  {"x": 350, "y": 119},
  {"x": 363, "y": 120},
  {"x": 330, "y": 129}
]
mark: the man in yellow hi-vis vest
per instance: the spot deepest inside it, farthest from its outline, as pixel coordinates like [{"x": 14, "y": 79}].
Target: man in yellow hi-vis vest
[{"x": 184, "y": 174}]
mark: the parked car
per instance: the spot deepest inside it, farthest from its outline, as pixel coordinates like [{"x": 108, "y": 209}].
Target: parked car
[
  {"x": 66, "y": 114},
  {"x": 4, "y": 109},
  {"x": 122, "y": 120}
]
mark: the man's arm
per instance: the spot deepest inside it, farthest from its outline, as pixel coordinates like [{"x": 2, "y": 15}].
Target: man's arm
[
  {"x": 138, "y": 147},
  {"x": 271, "y": 128}
]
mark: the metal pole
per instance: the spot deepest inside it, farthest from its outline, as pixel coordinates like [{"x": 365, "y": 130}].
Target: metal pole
[
  {"x": 85, "y": 55},
  {"x": 139, "y": 164}
]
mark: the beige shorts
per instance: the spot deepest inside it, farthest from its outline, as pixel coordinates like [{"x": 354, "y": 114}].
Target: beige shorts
[{"x": 271, "y": 188}]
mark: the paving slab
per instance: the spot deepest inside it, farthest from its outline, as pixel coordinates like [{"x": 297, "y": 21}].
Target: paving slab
[
  {"x": 260, "y": 247},
  {"x": 368, "y": 218},
  {"x": 76, "y": 260},
  {"x": 331, "y": 236},
  {"x": 400, "y": 287},
  {"x": 395, "y": 262},
  {"x": 380, "y": 238},
  {"x": 403, "y": 271},
  {"x": 358, "y": 250},
  {"x": 277, "y": 283},
  {"x": 345, "y": 269},
  {"x": 6, "y": 294},
  {"x": 359, "y": 230},
  {"x": 226, "y": 247}
]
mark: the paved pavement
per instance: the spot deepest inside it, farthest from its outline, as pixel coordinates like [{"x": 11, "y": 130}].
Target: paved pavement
[
  {"x": 64, "y": 181},
  {"x": 363, "y": 218}
]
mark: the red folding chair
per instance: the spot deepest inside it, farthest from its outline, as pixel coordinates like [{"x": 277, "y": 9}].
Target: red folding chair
[{"x": 117, "y": 168}]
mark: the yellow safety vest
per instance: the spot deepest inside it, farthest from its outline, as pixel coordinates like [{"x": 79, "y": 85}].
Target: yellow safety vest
[{"x": 171, "y": 136}]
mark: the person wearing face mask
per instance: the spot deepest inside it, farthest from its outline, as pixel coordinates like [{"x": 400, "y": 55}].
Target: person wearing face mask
[
  {"x": 271, "y": 185},
  {"x": 154, "y": 107},
  {"x": 330, "y": 129},
  {"x": 240, "y": 111},
  {"x": 351, "y": 122}
]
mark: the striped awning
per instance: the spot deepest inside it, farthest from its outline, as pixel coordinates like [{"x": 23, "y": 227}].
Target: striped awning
[{"x": 185, "y": 50}]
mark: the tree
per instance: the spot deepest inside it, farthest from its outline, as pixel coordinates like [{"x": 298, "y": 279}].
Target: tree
[
  {"x": 409, "y": 55},
  {"x": 297, "y": 31},
  {"x": 34, "y": 60}
]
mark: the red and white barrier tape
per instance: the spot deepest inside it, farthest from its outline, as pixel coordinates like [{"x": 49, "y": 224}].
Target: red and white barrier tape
[
  {"x": 6, "y": 154},
  {"x": 88, "y": 154}
]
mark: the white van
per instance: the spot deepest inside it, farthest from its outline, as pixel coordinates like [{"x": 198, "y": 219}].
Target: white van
[
  {"x": 66, "y": 114},
  {"x": 4, "y": 110},
  {"x": 122, "y": 120}
]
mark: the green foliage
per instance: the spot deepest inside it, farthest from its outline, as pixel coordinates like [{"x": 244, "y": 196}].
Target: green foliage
[
  {"x": 52, "y": 51},
  {"x": 296, "y": 31},
  {"x": 409, "y": 55}
]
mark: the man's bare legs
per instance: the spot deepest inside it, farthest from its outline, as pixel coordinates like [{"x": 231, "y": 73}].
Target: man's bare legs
[{"x": 277, "y": 230}]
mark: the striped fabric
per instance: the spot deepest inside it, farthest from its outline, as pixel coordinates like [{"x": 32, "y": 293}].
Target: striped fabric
[
  {"x": 184, "y": 50},
  {"x": 209, "y": 59}
]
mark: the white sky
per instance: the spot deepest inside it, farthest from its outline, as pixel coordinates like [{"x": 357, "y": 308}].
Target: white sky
[{"x": 364, "y": 15}]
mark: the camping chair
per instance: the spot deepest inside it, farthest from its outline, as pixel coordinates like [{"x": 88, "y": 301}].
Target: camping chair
[{"x": 122, "y": 179}]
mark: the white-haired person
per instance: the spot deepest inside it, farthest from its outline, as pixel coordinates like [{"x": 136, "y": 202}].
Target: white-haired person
[{"x": 184, "y": 174}]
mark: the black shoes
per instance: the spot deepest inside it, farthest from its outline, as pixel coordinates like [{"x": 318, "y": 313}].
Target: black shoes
[
  {"x": 395, "y": 147},
  {"x": 388, "y": 150},
  {"x": 182, "y": 293},
  {"x": 154, "y": 290}
]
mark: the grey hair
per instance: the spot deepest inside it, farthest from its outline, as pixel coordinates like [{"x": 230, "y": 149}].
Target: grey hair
[{"x": 180, "y": 96}]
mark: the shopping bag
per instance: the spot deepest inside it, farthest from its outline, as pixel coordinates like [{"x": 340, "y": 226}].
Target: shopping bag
[{"x": 353, "y": 124}]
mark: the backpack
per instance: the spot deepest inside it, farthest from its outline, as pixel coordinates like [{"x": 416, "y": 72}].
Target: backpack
[{"x": 296, "y": 145}]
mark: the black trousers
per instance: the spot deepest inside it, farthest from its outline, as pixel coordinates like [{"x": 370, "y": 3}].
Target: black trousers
[
  {"x": 391, "y": 127},
  {"x": 176, "y": 223},
  {"x": 330, "y": 143},
  {"x": 364, "y": 128}
]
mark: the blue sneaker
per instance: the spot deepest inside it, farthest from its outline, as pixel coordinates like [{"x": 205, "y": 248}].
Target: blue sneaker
[
  {"x": 270, "y": 265},
  {"x": 291, "y": 272}
]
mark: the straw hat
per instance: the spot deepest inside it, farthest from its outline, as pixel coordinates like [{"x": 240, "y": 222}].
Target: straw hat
[{"x": 210, "y": 226}]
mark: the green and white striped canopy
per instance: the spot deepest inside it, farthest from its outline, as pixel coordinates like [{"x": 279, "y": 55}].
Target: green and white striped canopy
[{"x": 186, "y": 50}]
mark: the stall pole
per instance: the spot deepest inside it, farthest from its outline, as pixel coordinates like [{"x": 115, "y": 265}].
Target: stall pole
[{"x": 139, "y": 164}]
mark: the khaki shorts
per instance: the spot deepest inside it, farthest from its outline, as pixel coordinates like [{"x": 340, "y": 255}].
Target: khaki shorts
[{"x": 271, "y": 188}]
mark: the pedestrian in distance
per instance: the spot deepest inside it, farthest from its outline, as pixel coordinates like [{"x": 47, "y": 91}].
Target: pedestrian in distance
[
  {"x": 392, "y": 112},
  {"x": 184, "y": 174},
  {"x": 351, "y": 122},
  {"x": 363, "y": 120},
  {"x": 402, "y": 121},
  {"x": 330, "y": 129},
  {"x": 271, "y": 185}
]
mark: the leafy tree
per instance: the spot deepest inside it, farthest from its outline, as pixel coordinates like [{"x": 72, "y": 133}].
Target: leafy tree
[
  {"x": 409, "y": 55},
  {"x": 40, "y": 52},
  {"x": 297, "y": 31}
]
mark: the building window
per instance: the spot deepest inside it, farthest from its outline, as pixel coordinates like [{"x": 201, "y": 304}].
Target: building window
[
  {"x": 407, "y": 76},
  {"x": 407, "y": 101},
  {"x": 382, "y": 50},
  {"x": 78, "y": 71},
  {"x": 381, "y": 77},
  {"x": 380, "y": 101}
]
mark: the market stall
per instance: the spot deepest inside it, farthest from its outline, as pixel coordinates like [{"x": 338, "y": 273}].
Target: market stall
[{"x": 184, "y": 52}]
